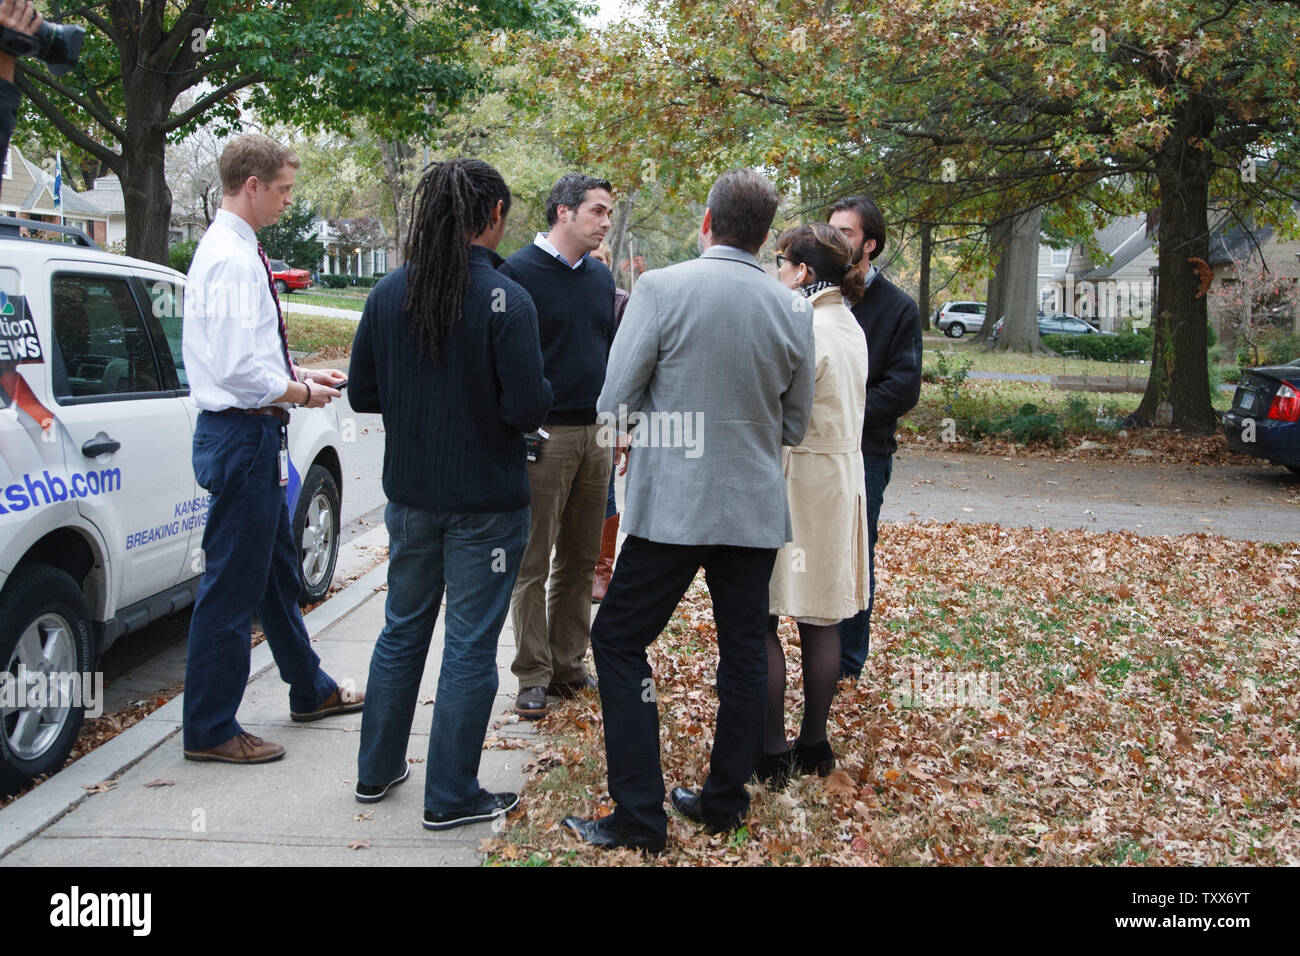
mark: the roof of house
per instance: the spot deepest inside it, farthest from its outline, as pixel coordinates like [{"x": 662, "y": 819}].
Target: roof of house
[
  {"x": 1229, "y": 245},
  {"x": 1123, "y": 239},
  {"x": 106, "y": 193},
  {"x": 73, "y": 202}
]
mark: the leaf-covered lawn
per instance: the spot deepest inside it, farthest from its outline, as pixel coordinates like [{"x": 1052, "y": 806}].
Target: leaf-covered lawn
[{"x": 1148, "y": 712}]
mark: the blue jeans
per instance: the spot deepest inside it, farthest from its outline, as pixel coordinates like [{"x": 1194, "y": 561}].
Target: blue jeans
[
  {"x": 476, "y": 558},
  {"x": 250, "y": 564},
  {"x": 855, "y": 632}
]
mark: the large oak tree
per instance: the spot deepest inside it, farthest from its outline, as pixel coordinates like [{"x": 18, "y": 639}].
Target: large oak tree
[
  {"x": 318, "y": 64},
  {"x": 973, "y": 116}
]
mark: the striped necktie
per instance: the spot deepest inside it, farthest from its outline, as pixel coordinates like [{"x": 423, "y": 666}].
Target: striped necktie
[{"x": 279, "y": 312}]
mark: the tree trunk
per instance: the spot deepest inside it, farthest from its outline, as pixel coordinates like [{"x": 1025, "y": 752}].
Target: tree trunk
[
  {"x": 999, "y": 255},
  {"x": 1178, "y": 390},
  {"x": 1017, "y": 291},
  {"x": 923, "y": 300},
  {"x": 617, "y": 236},
  {"x": 147, "y": 198},
  {"x": 395, "y": 156}
]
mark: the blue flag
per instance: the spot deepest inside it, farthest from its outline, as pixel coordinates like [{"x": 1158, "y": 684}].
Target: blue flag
[{"x": 58, "y": 180}]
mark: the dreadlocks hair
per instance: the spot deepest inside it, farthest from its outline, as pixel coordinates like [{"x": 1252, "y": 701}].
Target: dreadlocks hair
[{"x": 453, "y": 203}]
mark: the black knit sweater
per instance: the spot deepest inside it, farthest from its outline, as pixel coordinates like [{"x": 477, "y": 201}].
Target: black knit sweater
[
  {"x": 575, "y": 318},
  {"x": 453, "y": 427}
]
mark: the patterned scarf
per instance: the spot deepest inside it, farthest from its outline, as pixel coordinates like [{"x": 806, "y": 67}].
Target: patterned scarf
[{"x": 812, "y": 288}]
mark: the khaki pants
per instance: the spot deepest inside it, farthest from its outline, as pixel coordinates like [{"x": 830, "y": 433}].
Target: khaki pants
[{"x": 570, "y": 485}]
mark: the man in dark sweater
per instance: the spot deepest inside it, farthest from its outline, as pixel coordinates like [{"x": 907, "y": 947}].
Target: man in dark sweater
[
  {"x": 20, "y": 16},
  {"x": 574, "y": 294},
  {"x": 447, "y": 350},
  {"x": 892, "y": 323}
]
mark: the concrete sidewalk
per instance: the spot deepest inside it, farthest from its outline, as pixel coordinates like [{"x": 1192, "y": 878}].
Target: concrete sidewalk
[{"x": 296, "y": 811}]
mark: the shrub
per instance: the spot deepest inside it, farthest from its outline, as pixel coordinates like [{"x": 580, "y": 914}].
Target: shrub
[
  {"x": 951, "y": 374},
  {"x": 365, "y": 282},
  {"x": 1027, "y": 426},
  {"x": 333, "y": 281},
  {"x": 1276, "y": 347},
  {"x": 181, "y": 254},
  {"x": 1124, "y": 347},
  {"x": 1230, "y": 374}
]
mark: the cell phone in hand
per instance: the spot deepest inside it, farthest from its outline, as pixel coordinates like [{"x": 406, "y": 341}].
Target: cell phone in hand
[{"x": 340, "y": 385}]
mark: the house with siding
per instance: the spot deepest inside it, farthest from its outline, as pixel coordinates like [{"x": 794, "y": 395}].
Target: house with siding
[{"x": 27, "y": 192}]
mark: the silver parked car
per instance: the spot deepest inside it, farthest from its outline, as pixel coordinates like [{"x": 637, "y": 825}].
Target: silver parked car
[{"x": 958, "y": 318}]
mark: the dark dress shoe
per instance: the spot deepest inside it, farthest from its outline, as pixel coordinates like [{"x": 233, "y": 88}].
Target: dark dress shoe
[
  {"x": 815, "y": 758},
  {"x": 530, "y": 702},
  {"x": 571, "y": 688},
  {"x": 687, "y": 803},
  {"x": 775, "y": 770},
  {"x": 600, "y": 833}
]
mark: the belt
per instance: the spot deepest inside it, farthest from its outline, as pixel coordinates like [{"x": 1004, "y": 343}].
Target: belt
[
  {"x": 828, "y": 446},
  {"x": 274, "y": 411}
]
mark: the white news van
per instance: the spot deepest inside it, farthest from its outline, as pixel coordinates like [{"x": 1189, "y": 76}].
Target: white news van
[{"x": 101, "y": 519}]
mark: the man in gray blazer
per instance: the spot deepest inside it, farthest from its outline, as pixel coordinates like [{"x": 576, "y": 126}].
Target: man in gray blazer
[{"x": 711, "y": 372}]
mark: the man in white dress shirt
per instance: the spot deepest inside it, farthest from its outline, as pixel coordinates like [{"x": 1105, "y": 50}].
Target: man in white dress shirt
[{"x": 243, "y": 381}]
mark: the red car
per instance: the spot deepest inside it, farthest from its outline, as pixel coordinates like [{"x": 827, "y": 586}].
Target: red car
[{"x": 287, "y": 279}]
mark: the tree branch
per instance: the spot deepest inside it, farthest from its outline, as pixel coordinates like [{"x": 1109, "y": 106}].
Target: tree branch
[
  {"x": 96, "y": 108},
  {"x": 66, "y": 127},
  {"x": 211, "y": 100},
  {"x": 95, "y": 20}
]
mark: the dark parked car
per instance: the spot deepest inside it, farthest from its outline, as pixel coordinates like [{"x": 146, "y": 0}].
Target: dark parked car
[
  {"x": 1264, "y": 420},
  {"x": 1058, "y": 324}
]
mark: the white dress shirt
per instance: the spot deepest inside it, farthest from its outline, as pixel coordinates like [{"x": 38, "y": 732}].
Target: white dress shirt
[
  {"x": 544, "y": 241},
  {"x": 231, "y": 339}
]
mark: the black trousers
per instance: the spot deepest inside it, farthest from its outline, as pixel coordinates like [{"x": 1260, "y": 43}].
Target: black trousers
[{"x": 649, "y": 581}]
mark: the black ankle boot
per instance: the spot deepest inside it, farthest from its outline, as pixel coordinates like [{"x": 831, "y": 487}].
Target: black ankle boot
[
  {"x": 775, "y": 770},
  {"x": 815, "y": 758}
]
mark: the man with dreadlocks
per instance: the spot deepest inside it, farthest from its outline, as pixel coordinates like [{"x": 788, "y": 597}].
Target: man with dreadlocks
[{"x": 447, "y": 349}]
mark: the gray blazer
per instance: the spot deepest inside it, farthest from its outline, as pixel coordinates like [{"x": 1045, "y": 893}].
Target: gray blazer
[{"x": 711, "y": 372}]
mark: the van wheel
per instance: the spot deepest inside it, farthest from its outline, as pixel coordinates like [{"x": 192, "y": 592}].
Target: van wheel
[
  {"x": 44, "y": 631},
  {"x": 316, "y": 532}
]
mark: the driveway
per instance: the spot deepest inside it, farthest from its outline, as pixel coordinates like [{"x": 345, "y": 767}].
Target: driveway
[{"x": 1255, "y": 502}]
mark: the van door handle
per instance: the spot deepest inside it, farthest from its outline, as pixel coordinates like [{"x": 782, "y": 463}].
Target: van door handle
[{"x": 100, "y": 446}]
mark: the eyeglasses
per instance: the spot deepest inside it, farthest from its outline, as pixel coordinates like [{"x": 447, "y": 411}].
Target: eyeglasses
[{"x": 781, "y": 260}]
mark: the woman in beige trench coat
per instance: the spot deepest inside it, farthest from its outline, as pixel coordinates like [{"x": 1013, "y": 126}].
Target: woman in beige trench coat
[{"x": 820, "y": 577}]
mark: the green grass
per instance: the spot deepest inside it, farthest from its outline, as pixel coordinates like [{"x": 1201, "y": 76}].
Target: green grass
[
  {"x": 339, "y": 299},
  {"x": 311, "y": 333},
  {"x": 985, "y": 361}
]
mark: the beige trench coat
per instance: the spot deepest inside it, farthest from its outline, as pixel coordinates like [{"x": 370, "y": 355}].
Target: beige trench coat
[{"x": 822, "y": 575}]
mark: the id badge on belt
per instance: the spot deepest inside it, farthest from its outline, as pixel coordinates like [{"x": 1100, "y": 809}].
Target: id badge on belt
[{"x": 284, "y": 458}]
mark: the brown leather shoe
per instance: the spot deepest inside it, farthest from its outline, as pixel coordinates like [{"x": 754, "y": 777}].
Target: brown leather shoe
[
  {"x": 335, "y": 703},
  {"x": 571, "y": 688},
  {"x": 530, "y": 702},
  {"x": 605, "y": 563},
  {"x": 241, "y": 748}
]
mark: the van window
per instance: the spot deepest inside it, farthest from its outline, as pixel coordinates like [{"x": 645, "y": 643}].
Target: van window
[{"x": 100, "y": 343}]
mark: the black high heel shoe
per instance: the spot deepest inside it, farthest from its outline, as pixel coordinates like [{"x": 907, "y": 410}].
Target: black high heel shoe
[
  {"x": 815, "y": 758},
  {"x": 775, "y": 770}
]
